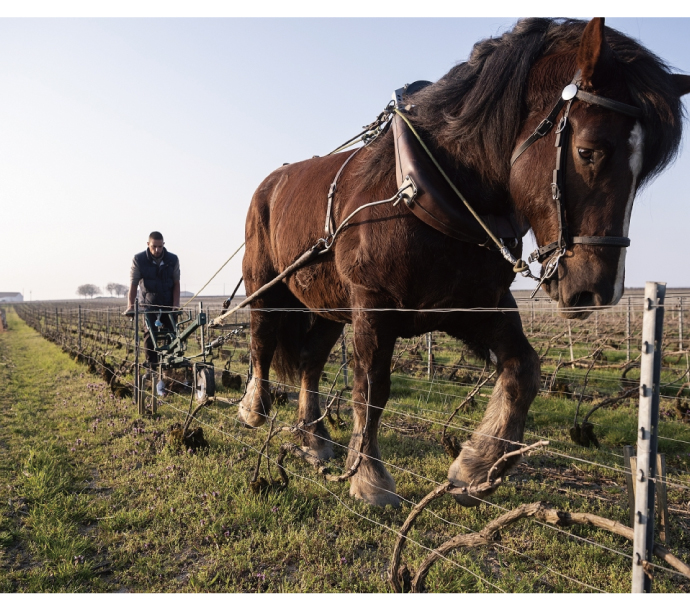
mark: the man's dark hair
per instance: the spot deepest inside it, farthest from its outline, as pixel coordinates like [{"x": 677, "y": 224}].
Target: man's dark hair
[{"x": 155, "y": 235}]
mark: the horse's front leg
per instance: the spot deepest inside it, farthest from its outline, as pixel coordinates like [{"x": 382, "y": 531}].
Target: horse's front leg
[
  {"x": 373, "y": 348},
  {"x": 502, "y": 428}
]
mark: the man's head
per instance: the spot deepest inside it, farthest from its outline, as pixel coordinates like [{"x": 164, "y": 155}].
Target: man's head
[{"x": 155, "y": 244}]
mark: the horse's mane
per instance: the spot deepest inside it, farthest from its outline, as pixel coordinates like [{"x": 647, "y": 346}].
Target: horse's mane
[{"x": 475, "y": 111}]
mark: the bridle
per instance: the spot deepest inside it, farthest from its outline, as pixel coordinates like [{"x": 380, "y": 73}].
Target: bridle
[{"x": 555, "y": 250}]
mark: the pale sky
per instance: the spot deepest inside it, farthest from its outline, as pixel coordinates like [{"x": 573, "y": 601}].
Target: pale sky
[{"x": 112, "y": 128}]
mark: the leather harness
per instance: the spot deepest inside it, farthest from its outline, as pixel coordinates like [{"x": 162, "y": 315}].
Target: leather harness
[{"x": 434, "y": 201}]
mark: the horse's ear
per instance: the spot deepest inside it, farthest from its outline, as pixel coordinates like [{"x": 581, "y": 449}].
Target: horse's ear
[
  {"x": 682, "y": 83},
  {"x": 594, "y": 53}
]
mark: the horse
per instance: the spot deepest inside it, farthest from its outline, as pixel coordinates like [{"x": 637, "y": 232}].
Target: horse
[{"x": 489, "y": 125}]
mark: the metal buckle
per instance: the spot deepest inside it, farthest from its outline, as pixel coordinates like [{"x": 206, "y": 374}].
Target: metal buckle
[
  {"x": 555, "y": 191},
  {"x": 552, "y": 264},
  {"x": 326, "y": 242},
  {"x": 544, "y": 127},
  {"x": 407, "y": 192}
]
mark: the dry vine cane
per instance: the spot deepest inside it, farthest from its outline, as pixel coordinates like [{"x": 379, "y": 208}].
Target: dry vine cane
[
  {"x": 259, "y": 484},
  {"x": 182, "y": 435},
  {"x": 584, "y": 434},
  {"x": 395, "y": 573},
  {"x": 337, "y": 421},
  {"x": 399, "y": 576},
  {"x": 682, "y": 404}
]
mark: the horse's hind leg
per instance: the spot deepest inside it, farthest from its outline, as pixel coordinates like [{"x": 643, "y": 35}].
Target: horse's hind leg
[
  {"x": 267, "y": 326},
  {"x": 319, "y": 341},
  {"x": 502, "y": 427},
  {"x": 255, "y": 406},
  {"x": 373, "y": 349}
]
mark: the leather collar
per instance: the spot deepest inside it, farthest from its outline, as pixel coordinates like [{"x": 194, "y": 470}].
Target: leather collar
[{"x": 436, "y": 204}]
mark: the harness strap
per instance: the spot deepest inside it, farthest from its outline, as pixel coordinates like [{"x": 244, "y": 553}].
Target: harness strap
[
  {"x": 557, "y": 185},
  {"x": 331, "y": 192},
  {"x": 602, "y": 240},
  {"x": 624, "y": 108},
  {"x": 541, "y": 131},
  {"x": 589, "y": 240}
]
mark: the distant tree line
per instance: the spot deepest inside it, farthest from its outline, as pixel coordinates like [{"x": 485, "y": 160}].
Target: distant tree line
[
  {"x": 92, "y": 290},
  {"x": 116, "y": 289}
]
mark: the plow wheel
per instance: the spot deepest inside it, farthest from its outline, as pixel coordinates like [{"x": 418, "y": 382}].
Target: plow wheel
[{"x": 205, "y": 383}]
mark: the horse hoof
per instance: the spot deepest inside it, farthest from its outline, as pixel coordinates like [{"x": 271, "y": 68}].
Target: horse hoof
[
  {"x": 253, "y": 399},
  {"x": 456, "y": 477},
  {"x": 322, "y": 453},
  {"x": 364, "y": 490},
  {"x": 465, "y": 499},
  {"x": 249, "y": 420}
]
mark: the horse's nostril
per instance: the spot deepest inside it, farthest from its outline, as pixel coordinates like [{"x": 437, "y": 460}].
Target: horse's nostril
[{"x": 583, "y": 299}]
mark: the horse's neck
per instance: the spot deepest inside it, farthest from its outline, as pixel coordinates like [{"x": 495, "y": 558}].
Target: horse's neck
[{"x": 486, "y": 196}]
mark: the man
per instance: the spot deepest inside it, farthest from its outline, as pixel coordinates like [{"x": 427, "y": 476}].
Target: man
[{"x": 156, "y": 273}]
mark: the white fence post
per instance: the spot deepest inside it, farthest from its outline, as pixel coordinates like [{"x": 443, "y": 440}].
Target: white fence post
[{"x": 647, "y": 431}]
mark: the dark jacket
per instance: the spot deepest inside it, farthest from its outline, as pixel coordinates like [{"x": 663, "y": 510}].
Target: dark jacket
[{"x": 156, "y": 285}]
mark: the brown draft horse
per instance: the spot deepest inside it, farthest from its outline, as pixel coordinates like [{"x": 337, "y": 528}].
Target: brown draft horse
[{"x": 473, "y": 119}]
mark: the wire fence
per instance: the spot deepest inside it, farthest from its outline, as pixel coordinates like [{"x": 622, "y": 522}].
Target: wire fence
[{"x": 590, "y": 371}]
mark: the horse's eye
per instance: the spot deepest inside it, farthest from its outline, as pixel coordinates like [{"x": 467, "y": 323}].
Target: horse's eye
[{"x": 585, "y": 154}]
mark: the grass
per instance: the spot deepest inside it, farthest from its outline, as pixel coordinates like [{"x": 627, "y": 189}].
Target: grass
[{"x": 93, "y": 499}]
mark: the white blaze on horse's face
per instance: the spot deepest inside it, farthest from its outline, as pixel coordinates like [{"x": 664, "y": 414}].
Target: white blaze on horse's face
[{"x": 636, "y": 144}]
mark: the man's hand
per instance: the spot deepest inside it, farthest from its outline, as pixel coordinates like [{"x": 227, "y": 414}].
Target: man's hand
[{"x": 129, "y": 312}]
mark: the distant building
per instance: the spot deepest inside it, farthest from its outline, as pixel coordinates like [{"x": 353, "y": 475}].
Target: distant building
[{"x": 11, "y": 297}]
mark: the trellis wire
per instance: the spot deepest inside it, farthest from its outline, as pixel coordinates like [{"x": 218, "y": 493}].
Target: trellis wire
[
  {"x": 430, "y": 480},
  {"x": 463, "y": 428}
]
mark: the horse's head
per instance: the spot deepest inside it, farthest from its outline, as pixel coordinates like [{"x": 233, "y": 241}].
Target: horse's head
[{"x": 611, "y": 145}]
